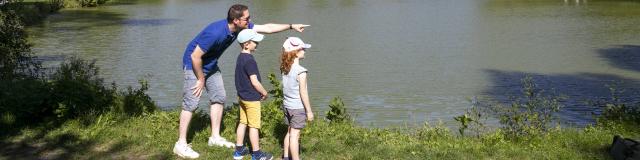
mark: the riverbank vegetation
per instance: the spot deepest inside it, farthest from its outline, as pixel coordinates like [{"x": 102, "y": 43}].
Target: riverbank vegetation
[
  {"x": 32, "y": 12},
  {"x": 73, "y": 114}
]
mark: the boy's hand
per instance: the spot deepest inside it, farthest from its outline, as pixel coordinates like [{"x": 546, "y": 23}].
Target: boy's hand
[
  {"x": 264, "y": 96},
  {"x": 309, "y": 116}
]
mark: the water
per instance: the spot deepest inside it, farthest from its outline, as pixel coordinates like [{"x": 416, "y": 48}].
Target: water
[{"x": 392, "y": 62}]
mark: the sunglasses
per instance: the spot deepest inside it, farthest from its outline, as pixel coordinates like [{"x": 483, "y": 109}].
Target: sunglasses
[{"x": 247, "y": 19}]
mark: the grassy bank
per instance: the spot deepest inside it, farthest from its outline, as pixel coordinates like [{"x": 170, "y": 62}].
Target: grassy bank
[{"x": 151, "y": 136}]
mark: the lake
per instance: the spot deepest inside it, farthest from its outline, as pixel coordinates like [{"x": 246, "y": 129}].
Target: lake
[{"x": 393, "y": 63}]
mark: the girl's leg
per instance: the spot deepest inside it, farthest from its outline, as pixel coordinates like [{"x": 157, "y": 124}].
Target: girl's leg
[
  {"x": 286, "y": 144},
  {"x": 294, "y": 135}
]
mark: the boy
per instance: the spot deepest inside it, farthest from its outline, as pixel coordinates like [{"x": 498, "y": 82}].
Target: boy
[{"x": 250, "y": 93}]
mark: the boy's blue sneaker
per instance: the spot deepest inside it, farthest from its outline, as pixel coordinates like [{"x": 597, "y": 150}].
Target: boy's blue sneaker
[
  {"x": 261, "y": 156},
  {"x": 237, "y": 155}
]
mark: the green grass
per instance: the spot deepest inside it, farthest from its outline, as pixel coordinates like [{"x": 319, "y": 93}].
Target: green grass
[{"x": 152, "y": 136}]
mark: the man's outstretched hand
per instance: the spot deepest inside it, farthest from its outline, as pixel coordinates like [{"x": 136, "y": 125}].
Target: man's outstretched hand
[{"x": 299, "y": 27}]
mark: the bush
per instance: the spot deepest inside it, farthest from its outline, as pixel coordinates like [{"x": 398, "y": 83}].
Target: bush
[
  {"x": 78, "y": 90},
  {"x": 272, "y": 114},
  {"x": 15, "y": 51},
  {"x": 473, "y": 119},
  {"x": 91, "y": 3},
  {"x": 530, "y": 115},
  {"x": 135, "y": 102},
  {"x": 27, "y": 97},
  {"x": 22, "y": 94},
  {"x": 26, "y": 100},
  {"x": 615, "y": 109},
  {"x": 338, "y": 112}
]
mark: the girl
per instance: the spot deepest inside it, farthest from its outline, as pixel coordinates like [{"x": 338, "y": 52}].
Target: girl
[{"x": 297, "y": 108}]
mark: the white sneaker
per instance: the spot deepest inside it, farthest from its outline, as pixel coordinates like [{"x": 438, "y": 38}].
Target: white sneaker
[
  {"x": 185, "y": 151},
  {"x": 220, "y": 141}
]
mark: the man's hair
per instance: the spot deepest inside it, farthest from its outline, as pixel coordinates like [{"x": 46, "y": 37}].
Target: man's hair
[{"x": 235, "y": 12}]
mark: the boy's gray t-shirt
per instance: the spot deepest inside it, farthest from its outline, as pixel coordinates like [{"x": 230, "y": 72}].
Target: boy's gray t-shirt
[{"x": 291, "y": 87}]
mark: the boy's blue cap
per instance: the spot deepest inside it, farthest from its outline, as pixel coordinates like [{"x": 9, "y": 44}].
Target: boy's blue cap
[{"x": 249, "y": 34}]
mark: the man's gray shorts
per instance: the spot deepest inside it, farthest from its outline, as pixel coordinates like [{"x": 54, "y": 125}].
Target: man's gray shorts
[
  {"x": 213, "y": 85},
  {"x": 295, "y": 118}
]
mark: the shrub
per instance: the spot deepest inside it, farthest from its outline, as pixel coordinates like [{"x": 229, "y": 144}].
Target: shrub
[
  {"x": 615, "y": 109},
  {"x": 78, "y": 90},
  {"x": 473, "y": 119},
  {"x": 272, "y": 114},
  {"x": 135, "y": 102},
  {"x": 56, "y": 5},
  {"x": 25, "y": 99},
  {"x": 15, "y": 52},
  {"x": 338, "y": 112},
  {"x": 530, "y": 115},
  {"x": 91, "y": 3},
  {"x": 22, "y": 94}
]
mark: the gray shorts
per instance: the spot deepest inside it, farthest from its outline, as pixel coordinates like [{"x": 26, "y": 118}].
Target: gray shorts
[
  {"x": 213, "y": 85},
  {"x": 295, "y": 118}
]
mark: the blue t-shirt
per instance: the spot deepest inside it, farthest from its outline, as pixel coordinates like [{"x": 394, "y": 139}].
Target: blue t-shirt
[
  {"x": 213, "y": 40},
  {"x": 246, "y": 66}
]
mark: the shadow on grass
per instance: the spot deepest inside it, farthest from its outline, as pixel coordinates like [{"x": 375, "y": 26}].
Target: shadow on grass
[
  {"x": 577, "y": 89},
  {"x": 62, "y": 146},
  {"x": 622, "y": 56},
  {"x": 198, "y": 123},
  {"x": 280, "y": 131}
]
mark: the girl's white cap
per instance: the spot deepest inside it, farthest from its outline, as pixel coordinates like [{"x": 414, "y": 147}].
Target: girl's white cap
[{"x": 294, "y": 43}]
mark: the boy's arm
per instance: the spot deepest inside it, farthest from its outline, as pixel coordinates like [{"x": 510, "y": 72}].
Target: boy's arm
[
  {"x": 258, "y": 86},
  {"x": 304, "y": 95},
  {"x": 275, "y": 28}
]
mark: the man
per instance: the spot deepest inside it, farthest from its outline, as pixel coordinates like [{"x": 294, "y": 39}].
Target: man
[{"x": 201, "y": 69}]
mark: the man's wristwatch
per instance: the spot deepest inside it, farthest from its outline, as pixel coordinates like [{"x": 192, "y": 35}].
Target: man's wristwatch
[{"x": 290, "y": 26}]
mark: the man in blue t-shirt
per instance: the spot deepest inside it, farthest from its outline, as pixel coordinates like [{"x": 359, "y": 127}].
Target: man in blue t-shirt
[{"x": 200, "y": 66}]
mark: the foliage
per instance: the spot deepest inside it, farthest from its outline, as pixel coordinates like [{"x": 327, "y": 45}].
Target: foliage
[
  {"x": 338, "y": 112},
  {"x": 473, "y": 118},
  {"x": 272, "y": 113},
  {"x": 135, "y": 102},
  {"x": 530, "y": 115},
  {"x": 15, "y": 52},
  {"x": 25, "y": 100},
  {"x": 277, "y": 92},
  {"x": 91, "y": 3},
  {"x": 31, "y": 13},
  {"x": 28, "y": 97},
  {"x": 78, "y": 90},
  {"x": 615, "y": 109},
  {"x": 152, "y": 136},
  {"x": 56, "y": 5}
]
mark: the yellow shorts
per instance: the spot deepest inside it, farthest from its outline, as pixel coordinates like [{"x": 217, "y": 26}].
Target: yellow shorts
[{"x": 250, "y": 113}]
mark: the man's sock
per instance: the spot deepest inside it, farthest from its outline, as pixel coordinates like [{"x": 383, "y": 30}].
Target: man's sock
[{"x": 239, "y": 148}]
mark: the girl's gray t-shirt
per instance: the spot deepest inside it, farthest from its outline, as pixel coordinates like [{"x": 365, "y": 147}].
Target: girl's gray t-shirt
[{"x": 291, "y": 87}]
